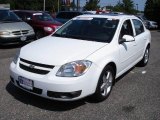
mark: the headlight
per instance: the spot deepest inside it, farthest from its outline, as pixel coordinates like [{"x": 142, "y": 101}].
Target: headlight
[
  {"x": 48, "y": 29},
  {"x": 4, "y": 33},
  {"x": 31, "y": 31},
  {"x": 15, "y": 59},
  {"x": 74, "y": 69}
]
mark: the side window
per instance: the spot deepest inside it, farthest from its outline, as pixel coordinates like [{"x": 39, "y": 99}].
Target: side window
[
  {"x": 61, "y": 15},
  {"x": 138, "y": 26},
  {"x": 28, "y": 16},
  {"x": 126, "y": 29}
]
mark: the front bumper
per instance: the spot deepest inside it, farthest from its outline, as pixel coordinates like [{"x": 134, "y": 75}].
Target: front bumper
[
  {"x": 57, "y": 88},
  {"x": 14, "y": 40}
]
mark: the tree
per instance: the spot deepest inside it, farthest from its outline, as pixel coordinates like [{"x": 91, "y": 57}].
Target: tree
[
  {"x": 118, "y": 7},
  {"x": 126, "y": 6},
  {"x": 91, "y": 5},
  {"x": 152, "y": 10}
]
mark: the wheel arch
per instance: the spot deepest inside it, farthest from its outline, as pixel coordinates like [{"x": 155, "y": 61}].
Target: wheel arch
[
  {"x": 148, "y": 45},
  {"x": 113, "y": 65}
]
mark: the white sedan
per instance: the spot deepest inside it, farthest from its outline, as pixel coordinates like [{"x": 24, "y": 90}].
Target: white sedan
[{"x": 82, "y": 58}]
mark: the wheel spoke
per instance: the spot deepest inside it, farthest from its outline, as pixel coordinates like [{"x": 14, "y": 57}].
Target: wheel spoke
[
  {"x": 108, "y": 74},
  {"x": 146, "y": 56},
  {"x": 107, "y": 83}
]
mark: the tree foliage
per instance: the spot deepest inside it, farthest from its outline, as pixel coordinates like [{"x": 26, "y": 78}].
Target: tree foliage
[
  {"x": 92, "y": 5},
  {"x": 31, "y": 4},
  {"x": 152, "y": 10},
  {"x": 126, "y": 6},
  {"x": 118, "y": 7}
]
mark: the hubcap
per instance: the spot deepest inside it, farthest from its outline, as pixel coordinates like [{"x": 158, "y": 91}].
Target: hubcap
[
  {"x": 146, "y": 56},
  {"x": 107, "y": 83}
]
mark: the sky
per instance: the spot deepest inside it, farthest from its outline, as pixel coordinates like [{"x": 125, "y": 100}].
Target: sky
[{"x": 140, "y": 3}]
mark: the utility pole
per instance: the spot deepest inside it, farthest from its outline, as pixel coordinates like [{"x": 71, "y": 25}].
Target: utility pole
[
  {"x": 73, "y": 5},
  {"x": 44, "y": 5},
  {"x": 78, "y": 5},
  {"x": 137, "y": 6},
  {"x": 58, "y": 5}
]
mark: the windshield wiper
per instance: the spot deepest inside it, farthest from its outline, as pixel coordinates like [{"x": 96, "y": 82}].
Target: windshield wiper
[{"x": 57, "y": 35}]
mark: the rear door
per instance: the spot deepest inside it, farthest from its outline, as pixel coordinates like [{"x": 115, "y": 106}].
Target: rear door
[{"x": 140, "y": 36}]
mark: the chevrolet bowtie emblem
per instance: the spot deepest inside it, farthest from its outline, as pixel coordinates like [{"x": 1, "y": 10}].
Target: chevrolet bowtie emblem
[{"x": 31, "y": 66}]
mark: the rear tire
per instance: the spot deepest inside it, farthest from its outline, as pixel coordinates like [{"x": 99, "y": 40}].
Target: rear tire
[
  {"x": 145, "y": 59},
  {"x": 105, "y": 84}
]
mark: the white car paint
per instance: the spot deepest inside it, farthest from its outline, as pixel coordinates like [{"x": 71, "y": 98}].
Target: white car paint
[
  {"x": 58, "y": 51},
  {"x": 71, "y": 50}
]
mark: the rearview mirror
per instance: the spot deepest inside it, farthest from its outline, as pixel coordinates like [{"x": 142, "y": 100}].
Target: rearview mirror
[{"x": 127, "y": 38}]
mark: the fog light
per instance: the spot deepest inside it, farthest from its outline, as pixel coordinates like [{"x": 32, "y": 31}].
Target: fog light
[{"x": 64, "y": 95}]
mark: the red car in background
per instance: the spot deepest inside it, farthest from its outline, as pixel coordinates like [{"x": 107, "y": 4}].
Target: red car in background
[{"x": 42, "y": 23}]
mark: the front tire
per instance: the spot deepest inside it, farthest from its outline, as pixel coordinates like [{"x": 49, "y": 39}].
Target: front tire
[{"x": 105, "y": 84}]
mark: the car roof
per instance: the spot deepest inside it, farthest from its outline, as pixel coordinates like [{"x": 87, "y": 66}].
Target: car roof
[
  {"x": 29, "y": 11},
  {"x": 3, "y": 9},
  {"x": 112, "y": 16},
  {"x": 69, "y": 12}
]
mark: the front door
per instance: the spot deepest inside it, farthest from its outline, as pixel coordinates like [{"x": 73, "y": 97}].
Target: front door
[{"x": 127, "y": 49}]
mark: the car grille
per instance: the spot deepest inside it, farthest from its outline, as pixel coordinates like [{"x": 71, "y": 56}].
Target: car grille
[
  {"x": 33, "y": 67},
  {"x": 22, "y": 32}
]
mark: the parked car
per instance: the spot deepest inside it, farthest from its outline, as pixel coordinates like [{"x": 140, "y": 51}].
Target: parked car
[
  {"x": 82, "y": 58},
  {"x": 153, "y": 25},
  {"x": 64, "y": 16},
  {"x": 13, "y": 29},
  {"x": 42, "y": 22},
  {"x": 145, "y": 21}
]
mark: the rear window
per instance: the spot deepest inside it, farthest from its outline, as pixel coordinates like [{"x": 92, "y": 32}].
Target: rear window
[
  {"x": 138, "y": 26},
  {"x": 68, "y": 15},
  {"x": 43, "y": 17}
]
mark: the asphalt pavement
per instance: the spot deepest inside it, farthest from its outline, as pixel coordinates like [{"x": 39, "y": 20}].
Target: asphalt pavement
[{"x": 135, "y": 96}]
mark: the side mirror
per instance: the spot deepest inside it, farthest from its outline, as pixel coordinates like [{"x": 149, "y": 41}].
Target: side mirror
[
  {"x": 28, "y": 18},
  {"x": 127, "y": 38}
]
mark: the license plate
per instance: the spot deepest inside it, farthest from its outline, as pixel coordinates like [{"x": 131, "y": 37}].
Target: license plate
[
  {"x": 25, "y": 83},
  {"x": 23, "y": 38}
]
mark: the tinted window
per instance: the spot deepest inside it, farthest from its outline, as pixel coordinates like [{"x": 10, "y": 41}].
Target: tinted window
[
  {"x": 43, "y": 17},
  {"x": 92, "y": 29},
  {"x": 68, "y": 15},
  {"x": 126, "y": 29},
  {"x": 138, "y": 26}
]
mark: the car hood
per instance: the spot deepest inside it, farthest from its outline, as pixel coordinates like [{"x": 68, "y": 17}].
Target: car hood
[
  {"x": 57, "y": 51},
  {"x": 14, "y": 26}
]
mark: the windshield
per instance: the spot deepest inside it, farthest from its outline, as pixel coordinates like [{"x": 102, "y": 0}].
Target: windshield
[
  {"x": 92, "y": 29},
  {"x": 43, "y": 17},
  {"x": 8, "y": 16}
]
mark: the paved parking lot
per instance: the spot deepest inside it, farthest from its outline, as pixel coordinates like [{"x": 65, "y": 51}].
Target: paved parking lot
[{"x": 135, "y": 96}]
